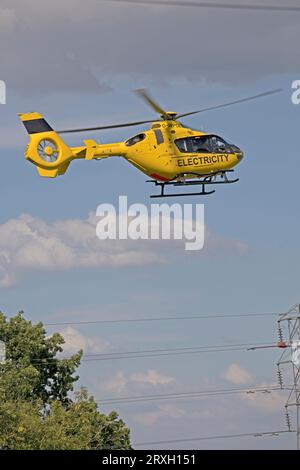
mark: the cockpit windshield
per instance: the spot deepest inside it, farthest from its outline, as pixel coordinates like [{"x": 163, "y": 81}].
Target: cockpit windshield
[{"x": 205, "y": 144}]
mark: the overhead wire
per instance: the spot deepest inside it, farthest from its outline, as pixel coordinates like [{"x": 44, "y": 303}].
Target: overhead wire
[
  {"x": 165, "y": 318},
  {"x": 183, "y": 395},
  {"x": 223, "y": 436},
  {"x": 101, "y": 356},
  {"x": 213, "y": 5}
]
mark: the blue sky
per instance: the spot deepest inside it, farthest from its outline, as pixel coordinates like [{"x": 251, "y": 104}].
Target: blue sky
[{"x": 88, "y": 78}]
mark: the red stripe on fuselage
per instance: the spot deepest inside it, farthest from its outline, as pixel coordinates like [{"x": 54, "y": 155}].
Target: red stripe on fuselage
[{"x": 158, "y": 177}]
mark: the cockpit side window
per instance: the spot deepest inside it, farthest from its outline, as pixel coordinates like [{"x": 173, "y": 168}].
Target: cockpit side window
[
  {"x": 135, "y": 140},
  {"x": 197, "y": 144},
  {"x": 159, "y": 136}
]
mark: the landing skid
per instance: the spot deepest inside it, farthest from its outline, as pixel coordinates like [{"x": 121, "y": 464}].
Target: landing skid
[{"x": 214, "y": 178}]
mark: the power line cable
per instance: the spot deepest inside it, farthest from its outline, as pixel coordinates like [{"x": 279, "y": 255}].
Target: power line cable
[
  {"x": 224, "y": 436},
  {"x": 261, "y": 344},
  {"x": 135, "y": 356},
  {"x": 193, "y": 394},
  {"x": 150, "y": 353},
  {"x": 173, "y": 318},
  {"x": 167, "y": 352},
  {"x": 213, "y": 5}
]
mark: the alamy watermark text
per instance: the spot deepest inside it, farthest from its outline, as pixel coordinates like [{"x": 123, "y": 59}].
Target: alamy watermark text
[{"x": 157, "y": 222}]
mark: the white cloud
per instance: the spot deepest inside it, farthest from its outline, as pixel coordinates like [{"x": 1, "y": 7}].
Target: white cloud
[
  {"x": 74, "y": 340},
  {"x": 152, "y": 377},
  {"x": 117, "y": 384},
  {"x": 237, "y": 375},
  {"x": 168, "y": 410},
  {"x": 269, "y": 402},
  {"x": 108, "y": 44},
  {"x": 122, "y": 382},
  {"x": 214, "y": 243},
  {"x": 29, "y": 244},
  {"x": 8, "y": 19}
]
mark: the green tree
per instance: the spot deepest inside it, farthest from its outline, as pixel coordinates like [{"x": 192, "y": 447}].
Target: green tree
[
  {"x": 29, "y": 351},
  {"x": 36, "y": 410}
]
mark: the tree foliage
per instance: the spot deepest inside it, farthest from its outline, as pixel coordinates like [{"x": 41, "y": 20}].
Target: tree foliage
[{"x": 36, "y": 410}]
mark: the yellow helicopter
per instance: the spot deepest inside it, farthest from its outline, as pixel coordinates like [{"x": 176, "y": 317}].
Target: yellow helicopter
[{"x": 169, "y": 152}]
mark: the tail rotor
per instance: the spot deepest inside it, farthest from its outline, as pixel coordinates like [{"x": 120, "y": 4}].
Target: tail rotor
[{"x": 46, "y": 149}]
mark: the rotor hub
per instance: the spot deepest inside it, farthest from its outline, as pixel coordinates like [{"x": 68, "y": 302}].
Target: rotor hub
[
  {"x": 171, "y": 115},
  {"x": 48, "y": 150}
]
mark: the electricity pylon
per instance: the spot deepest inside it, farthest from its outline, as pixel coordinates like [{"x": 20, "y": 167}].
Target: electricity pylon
[{"x": 289, "y": 363}]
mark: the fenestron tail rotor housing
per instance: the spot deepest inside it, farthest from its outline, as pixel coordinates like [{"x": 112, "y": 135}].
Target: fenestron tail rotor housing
[{"x": 48, "y": 150}]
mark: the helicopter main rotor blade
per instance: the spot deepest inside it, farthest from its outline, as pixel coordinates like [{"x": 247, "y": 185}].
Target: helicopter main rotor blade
[
  {"x": 146, "y": 97},
  {"x": 231, "y": 103},
  {"x": 158, "y": 109},
  {"x": 113, "y": 126}
]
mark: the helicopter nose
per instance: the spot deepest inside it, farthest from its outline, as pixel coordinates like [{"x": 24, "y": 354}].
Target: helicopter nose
[{"x": 240, "y": 155}]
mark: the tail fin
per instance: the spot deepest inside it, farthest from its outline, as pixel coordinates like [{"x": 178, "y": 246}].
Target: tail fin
[{"x": 46, "y": 150}]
